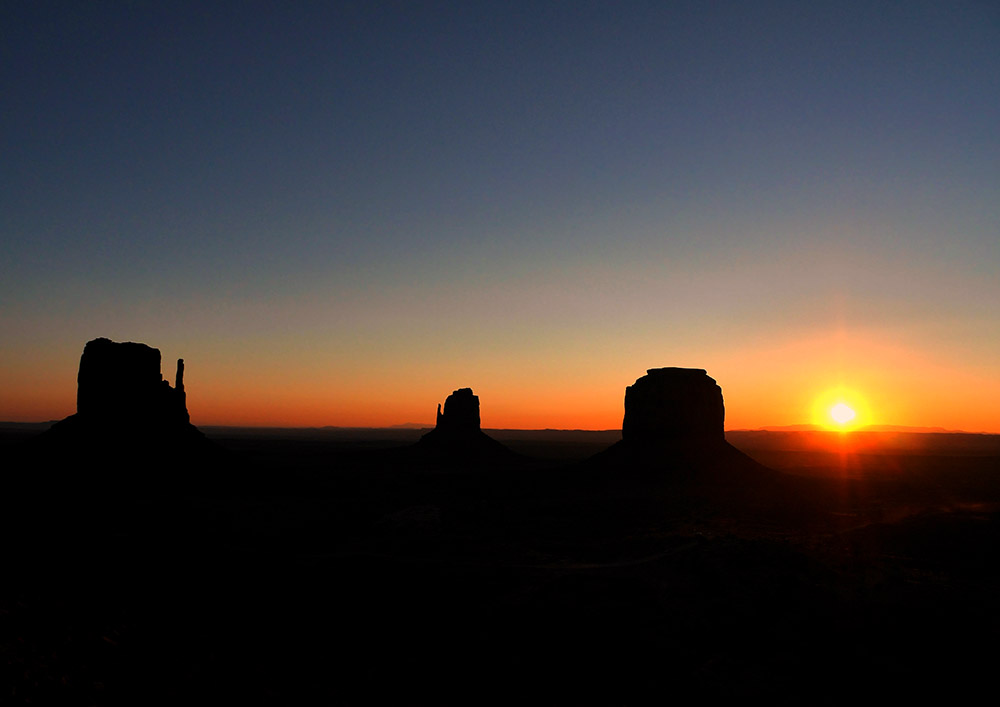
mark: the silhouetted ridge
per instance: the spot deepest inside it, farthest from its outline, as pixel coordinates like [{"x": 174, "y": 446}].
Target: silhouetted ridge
[{"x": 458, "y": 435}]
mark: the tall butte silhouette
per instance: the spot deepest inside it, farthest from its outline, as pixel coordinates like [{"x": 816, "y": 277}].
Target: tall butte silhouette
[
  {"x": 458, "y": 436},
  {"x": 675, "y": 421},
  {"x": 125, "y": 410}
]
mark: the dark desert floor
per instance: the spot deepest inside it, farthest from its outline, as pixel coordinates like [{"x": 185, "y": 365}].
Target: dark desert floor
[{"x": 338, "y": 566}]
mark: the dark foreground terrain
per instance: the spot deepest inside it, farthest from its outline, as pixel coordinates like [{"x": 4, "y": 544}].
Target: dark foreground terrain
[{"x": 296, "y": 567}]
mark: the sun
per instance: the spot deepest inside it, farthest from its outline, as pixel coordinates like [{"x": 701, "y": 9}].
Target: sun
[
  {"x": 842, "y": 413},
  {"x": 842, "y": 409}
]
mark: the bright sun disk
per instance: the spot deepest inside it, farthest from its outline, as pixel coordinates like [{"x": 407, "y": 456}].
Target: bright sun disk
[{"x": 842, "y": 413}]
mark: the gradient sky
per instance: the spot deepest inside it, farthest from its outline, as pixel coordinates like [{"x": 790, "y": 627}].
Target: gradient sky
[{"x": 337, "y": 213}]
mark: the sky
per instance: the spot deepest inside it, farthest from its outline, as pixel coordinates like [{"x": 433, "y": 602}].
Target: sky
[{"x": 338, "y": 213}]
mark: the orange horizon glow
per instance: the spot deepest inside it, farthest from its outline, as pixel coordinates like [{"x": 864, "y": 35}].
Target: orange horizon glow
[
  {"x": 287, "y": 414},
  {"x": 778, "y": 384},
  {"x": 589, "y": 410}
]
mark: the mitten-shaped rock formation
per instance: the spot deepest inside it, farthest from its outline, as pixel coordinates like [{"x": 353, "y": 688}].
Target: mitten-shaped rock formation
[
  {"x": 458, "y": 435},
  {"x": 123, "y": 402},
  {"x": 674, "y": 404},
  {"x": 461, "y": 412},
  {"x": 121, "y": 383}
]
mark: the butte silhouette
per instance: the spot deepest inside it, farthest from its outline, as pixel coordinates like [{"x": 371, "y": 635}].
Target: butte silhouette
[
  {"x": 125, "y": 410},
  {"x": 675, "y": 422},
  {"x": 458, "y": 437}
]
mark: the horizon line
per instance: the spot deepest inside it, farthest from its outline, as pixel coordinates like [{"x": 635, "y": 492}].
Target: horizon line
[{"x": 416, "y": 427}]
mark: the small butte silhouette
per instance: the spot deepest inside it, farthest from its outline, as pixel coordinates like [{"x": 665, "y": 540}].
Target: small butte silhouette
[{"x": 458, "y": 436}]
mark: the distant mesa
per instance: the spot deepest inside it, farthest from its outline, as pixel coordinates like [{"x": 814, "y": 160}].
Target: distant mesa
[
  {"x": 675, "y": 420},
  {"x": 458, "y": 432},
  {"x": 122, "y": 401},
  {"x": 675, "y": 405}
]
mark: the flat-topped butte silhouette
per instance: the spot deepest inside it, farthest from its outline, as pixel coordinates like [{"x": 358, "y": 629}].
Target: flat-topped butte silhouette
[
  {"x": 675, "y": 420},
  {"x": 458, "y": 435},
  {"x": 674, "y": 404},
  {"x": 121, "y": 383},
  {"x": 123, "y": 402}
]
